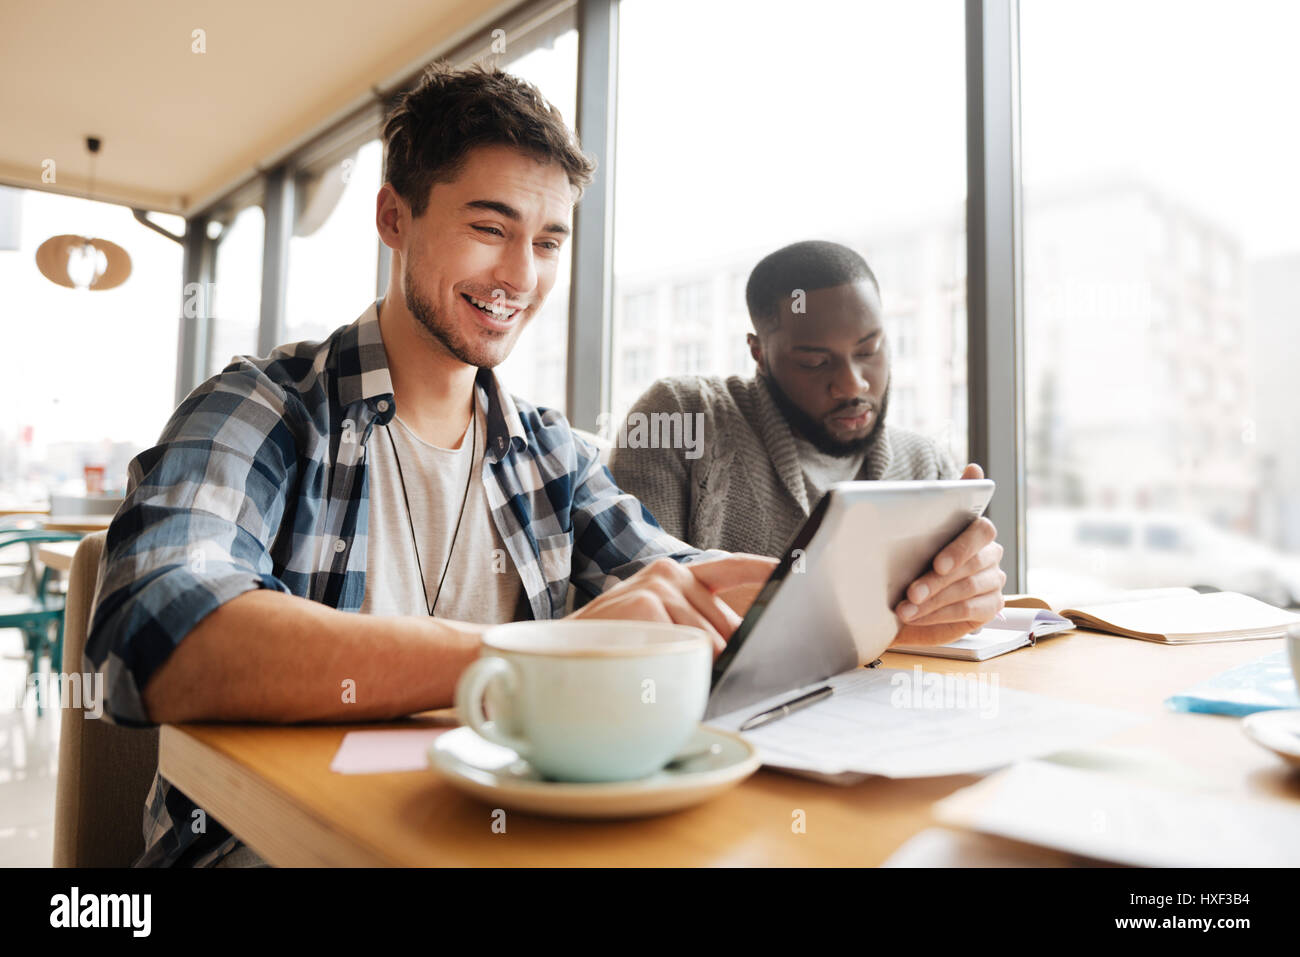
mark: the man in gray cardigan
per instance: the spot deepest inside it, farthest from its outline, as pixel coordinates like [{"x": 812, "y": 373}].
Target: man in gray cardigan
[{"x": 738, "y": 464}]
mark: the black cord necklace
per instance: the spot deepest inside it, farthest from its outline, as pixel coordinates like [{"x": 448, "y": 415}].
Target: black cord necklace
[{"x": 473, "y": 450}]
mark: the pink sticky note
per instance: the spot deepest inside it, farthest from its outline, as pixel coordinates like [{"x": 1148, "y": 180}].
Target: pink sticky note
[{"x": 376, "y": 752}]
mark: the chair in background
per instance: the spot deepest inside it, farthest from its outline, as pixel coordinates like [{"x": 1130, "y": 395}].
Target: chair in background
[
  {"x": 15, "y": 573},
  {"x": 105, "y": 771},
  {"x": 36, "y": 612}
]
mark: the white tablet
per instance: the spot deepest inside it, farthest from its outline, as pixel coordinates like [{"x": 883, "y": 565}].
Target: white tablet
[{"x": 829, "y": 606}]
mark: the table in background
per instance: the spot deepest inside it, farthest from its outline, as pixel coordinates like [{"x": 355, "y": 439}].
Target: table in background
[
  {"x": 57, "y": 555},
  {"x": 22, "y": 511},
  {"x": 271, "y": 785},
  {"x": 76, "y": 523}
]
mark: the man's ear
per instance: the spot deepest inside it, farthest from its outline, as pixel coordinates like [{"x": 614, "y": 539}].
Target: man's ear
[
  {"x": 391, "y": 217},
  {"x": 756, "y": 350}
]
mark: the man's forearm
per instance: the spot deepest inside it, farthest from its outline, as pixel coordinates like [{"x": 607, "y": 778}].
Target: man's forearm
[{"x": 267, "y": 656}]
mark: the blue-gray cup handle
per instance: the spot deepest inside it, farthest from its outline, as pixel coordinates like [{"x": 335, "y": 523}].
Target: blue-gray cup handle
[{"x": 470, "y": 689}]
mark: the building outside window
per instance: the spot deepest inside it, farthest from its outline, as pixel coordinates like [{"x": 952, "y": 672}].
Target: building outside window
[{"x": 1159, "y": 392}]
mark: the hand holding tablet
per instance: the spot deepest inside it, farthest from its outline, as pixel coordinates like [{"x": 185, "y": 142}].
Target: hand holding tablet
[
  {"x": 963, "y": 590},
  {"x": 867, "y": 549}
]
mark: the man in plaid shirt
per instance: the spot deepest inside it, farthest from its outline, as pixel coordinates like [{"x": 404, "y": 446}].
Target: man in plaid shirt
[{"x": 273, "y": 507}]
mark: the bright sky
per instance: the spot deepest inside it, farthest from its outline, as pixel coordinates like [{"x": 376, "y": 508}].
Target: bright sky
[
  {"x": 1198, "y": 96},
  {"x": 742, "y": 125},
  {"x": 769, "y": 126}
]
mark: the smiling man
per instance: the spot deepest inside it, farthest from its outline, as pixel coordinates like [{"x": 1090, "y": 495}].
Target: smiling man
[{"x": 386, "y": 471}]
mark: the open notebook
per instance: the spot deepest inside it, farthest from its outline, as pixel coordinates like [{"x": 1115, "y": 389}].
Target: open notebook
[
  {"x": 1014, "y": 628},
  {"x": 1176, "y": 616}
]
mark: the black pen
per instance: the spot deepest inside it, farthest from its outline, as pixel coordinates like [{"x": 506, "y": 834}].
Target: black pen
[{"x": 781, "y": 710}]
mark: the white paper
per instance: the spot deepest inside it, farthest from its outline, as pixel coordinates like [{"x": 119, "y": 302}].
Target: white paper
[
  {"x": 941, "y": 847},
  {"x": 1113, "y": 818},
  {"x": 1037, "y": 620},
  {"x": 377, "y": 752},
  {"x": 1106, "y": 595},
  {"x": 906, "y": 724},
  {"x": 977, "y": 646},
  {"x": 1223, "y": 612}
]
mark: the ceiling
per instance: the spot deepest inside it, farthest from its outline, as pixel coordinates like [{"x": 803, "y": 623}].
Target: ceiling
[{"x": 180, "y": 128}]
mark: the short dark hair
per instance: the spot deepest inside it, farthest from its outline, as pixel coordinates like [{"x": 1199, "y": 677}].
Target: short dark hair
[
  {"x": 811, "y": 265},
  {"x": 449, "y": 112}
]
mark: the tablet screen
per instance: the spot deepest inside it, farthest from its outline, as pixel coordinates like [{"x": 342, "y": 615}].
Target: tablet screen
[
  {"x": 795, "y": 551},
  {"x": 828, "y": 606}
]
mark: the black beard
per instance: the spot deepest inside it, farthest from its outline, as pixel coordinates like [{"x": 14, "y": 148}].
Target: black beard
[
  {"x": 427, "y": 317},
  {"x": 812, "y": 429}
]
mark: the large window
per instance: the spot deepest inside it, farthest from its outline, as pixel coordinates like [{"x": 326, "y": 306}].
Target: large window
[
  {"x": 1160, "y": 253},
  {"x": 334, "y": 253},
  {"x": 1162, "y": 292},
  {"x": 743, "y": 127},
  {"x": 237, "y": 291},
  {"x": 89, "y": 377}
]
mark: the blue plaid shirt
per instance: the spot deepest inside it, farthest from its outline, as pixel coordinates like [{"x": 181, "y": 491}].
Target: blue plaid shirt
[{"x": 259, "y": 481}]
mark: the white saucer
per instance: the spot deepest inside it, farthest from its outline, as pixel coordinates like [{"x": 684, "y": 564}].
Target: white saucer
[
  {"x": 499, "y": 776},
  {"x": 1279, "y": 731}
]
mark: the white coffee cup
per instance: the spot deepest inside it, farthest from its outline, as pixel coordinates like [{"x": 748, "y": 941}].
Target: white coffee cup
[{"x": 589, "y": 700}]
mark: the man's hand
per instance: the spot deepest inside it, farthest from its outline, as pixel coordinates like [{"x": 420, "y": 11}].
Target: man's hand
[
  {"x": 669, "y": 591},
  {"x": 963, "y": 590},
  {"x": 741, "y": 597}
]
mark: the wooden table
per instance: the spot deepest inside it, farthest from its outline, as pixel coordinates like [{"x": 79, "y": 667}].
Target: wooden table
[
  {"x": 273, "y": 788},
  {"x": 33, "y": 510},
  {"x": 57, "y": 555},
  {"x": 76, "y": 523}
]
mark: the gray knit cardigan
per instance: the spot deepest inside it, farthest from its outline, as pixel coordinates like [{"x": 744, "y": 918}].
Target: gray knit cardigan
[{"x": 742, "y": 488}]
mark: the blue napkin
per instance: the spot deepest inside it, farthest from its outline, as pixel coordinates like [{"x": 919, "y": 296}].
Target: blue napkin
[{"x": 1264, "y": 684}]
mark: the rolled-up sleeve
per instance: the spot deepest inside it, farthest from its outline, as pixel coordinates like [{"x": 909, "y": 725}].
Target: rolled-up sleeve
[
  {"x": 614, "y": 533},
  {"x": 194, "y": 531}
]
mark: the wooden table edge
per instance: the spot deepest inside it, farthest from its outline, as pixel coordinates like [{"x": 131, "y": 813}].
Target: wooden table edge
[
  {"x": 228, "y": 791},
  {"x": 87, "y": 524}
]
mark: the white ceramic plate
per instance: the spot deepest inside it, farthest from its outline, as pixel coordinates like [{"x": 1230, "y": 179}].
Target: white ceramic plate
[
  {"x": 499, "y": 776},
  {"x": 1279, "y": 731}
]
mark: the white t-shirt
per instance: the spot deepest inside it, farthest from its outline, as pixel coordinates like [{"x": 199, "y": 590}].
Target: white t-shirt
[
  {"x": 821, "y": 471},
  {"x": 482, "y": 585}
]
